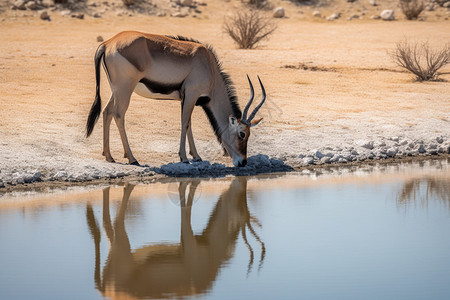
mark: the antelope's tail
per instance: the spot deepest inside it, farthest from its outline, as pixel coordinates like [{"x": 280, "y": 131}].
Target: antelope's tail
[{"x": 97, "y": 105}]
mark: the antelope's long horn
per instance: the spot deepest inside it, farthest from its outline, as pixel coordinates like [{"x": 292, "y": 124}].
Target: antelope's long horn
[
  {"x": 260, "y": 104},
  {"x": 252, "y": 95}
]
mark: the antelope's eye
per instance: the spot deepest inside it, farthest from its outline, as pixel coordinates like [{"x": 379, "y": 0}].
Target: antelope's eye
[{"x": 242, "y": 135}]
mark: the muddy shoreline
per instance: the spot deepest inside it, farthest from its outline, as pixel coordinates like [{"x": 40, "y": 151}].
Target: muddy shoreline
[{"x": 46, "y": 186}]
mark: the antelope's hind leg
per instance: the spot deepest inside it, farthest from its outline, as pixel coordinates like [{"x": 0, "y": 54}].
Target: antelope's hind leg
[
  {"x": 107, "y": 118},
  {"x": 121, "y": 103}
]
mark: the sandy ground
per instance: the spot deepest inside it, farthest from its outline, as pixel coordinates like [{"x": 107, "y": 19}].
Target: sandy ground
[{"x": 361, "y": 100}]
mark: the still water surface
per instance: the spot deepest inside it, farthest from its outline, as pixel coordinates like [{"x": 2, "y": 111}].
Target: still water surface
[{"x": 364, "y": 235}]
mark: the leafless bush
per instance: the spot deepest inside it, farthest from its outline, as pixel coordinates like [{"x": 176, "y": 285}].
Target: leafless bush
[
  {"x": 420, "y": 59},
  {"x": 412, "y": 8},
  {"x": 129, "y": 2},
  {"x": 248, "y": 27}
]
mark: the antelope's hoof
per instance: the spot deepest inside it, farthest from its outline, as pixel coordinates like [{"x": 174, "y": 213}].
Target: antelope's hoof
[
  {"x": 111, "y": 160},
  {"x": 135, "y": 163},
  {"x": 185, "y": 162},
  {"x": 197, "y": 159}
]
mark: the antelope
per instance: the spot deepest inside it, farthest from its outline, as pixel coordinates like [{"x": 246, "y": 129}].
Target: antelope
[
  {"x": 176, "y": 270},
  {"x": 171, "y": 68}
]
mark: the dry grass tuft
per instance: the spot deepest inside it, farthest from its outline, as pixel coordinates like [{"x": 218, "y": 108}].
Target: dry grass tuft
[{"x": 412, "y": 8}]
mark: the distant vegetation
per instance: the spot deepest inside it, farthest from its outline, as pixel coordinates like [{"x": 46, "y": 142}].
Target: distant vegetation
[
  {"x": 248, "y": 27},
  {"x": 420, "y": 59},
  {"x": 412, "y": 8}
]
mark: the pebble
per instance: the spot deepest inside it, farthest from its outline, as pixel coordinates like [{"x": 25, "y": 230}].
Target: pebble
[
  {"x": 334, "y": 17},
  {"x": 308, "y": 160},
  {"x": 325, "y": 159},
  {"x": 421, "y": 149},
  {"x": 317, "y": 154},
  {"x": 278, "y": 12}
]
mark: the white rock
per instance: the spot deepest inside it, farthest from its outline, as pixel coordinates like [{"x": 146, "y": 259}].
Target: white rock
[
  {"x": 65, "y": 13},
  {"x": 334, "y": 17},
  {"x": 278, "y": 12},
  {"x": 387, "y": 15},
  {"x": 19, "y": 4},
  {"x": 308, "y": 160},
  {"x": 373, "y": 2},
  {"x": 47, "y": 3},
  {"x": 179, "y": 15},
  {"x": 391, "y": 152},
  {"x": 317, "y": 14},
  {"x": 31, "y": 5},
  {"x": 325, "y": 160}
]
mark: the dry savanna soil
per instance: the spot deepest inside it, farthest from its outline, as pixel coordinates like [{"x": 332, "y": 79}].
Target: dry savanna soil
[{"x": 329, "y": 84}]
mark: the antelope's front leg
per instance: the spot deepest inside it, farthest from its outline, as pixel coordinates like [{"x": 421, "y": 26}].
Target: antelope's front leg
[
  {"x": 192, "y": 150},
  {"x": 187, "y": 106}
]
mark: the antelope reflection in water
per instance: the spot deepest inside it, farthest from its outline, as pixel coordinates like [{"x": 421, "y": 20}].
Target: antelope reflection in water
[{"x": 183, "y": 269}]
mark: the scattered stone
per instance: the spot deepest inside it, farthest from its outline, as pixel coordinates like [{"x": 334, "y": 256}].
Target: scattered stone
[
  {"x": 421, "y": 149},
  {"x": 308, "y": 160},
  {"x": 317, "y": 154},
  {"x": 44, "y": 16},
  {"x": 96, "y": 15},
  {"x": 65, "y": 13},
  {"x": 395, "y": 139},
  {"x": 439, "y": 139},
  {"x": 403, "y": 142},
  {"x": 19, "y": 4},
  {"x": 335, "y": 158},
  {"x": 278, "y": 12},
  {"x": 373, "y": 2},
  {"x": 375, "y": 17},
  {"x": 387, "y": 15},
  {"x": 325, "y": 160},
  {"x": 100, "y": 39},
  {"x": 317, "y": 14},
  {"x": 31, "y": 5},
  {"x": 391, "y": 152},
  {"x": 354, "y": 16},
  {"x": 78, "y": 16},
  {"x": 186, "y": 2},
  {"x": 351, "y": 1},
  {"x": 446, "y": 4},
  {"x": 334, "y": 17},
  {"x": 161, "y": 14},
  {"x": 179, "y": 15}
]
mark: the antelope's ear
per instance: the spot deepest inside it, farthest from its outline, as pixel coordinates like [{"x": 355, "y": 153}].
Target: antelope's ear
[
  {"x": 233, "y": 121},
  {"x": 255, "y": 122}
]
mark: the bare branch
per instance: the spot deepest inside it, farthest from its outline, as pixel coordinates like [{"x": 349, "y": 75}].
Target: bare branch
[
  {"x": 247, "y": 28},
  {"x": 421, "y": 59}
]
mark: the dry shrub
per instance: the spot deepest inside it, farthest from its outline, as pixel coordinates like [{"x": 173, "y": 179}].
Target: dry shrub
[
  {"x": 129, "y": 2},
  {"x": 248, "y": 27},
  {"x": 420, "y": 59},
  {"x": 412, "y": 8}
]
